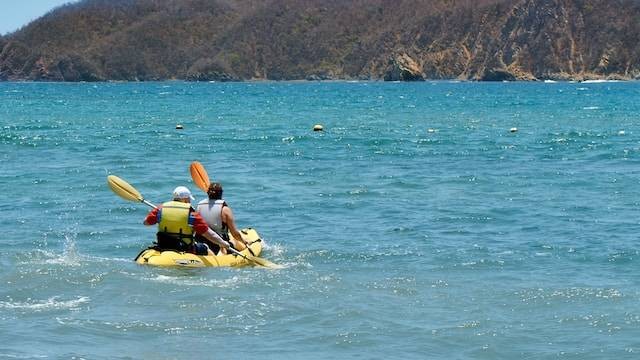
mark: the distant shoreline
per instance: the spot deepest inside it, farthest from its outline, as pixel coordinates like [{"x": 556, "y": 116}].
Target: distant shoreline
[{"x": 548, "y": 81}]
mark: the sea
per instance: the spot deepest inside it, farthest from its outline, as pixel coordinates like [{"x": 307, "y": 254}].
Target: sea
[{"x": 430, "y": 220}]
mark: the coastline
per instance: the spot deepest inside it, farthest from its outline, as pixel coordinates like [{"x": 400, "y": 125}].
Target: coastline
[{"x": 577, "y": 79}]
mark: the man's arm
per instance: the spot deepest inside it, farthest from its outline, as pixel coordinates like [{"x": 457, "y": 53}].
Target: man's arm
[
  {"x": 200, "y": 227},
  {"x": 215, "y": 238},
  {"x": 152, "y": 217},
  {"x": 227, "y": 218}
]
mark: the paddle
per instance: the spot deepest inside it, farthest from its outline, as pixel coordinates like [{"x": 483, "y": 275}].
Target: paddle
[
  {"x": 128, "y": 192},
  {"x": 256, "y": 260},
  {"x": 201, "y": 178}
]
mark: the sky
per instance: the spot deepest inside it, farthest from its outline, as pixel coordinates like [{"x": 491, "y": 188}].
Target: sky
[{"x": 16, "y": 13}]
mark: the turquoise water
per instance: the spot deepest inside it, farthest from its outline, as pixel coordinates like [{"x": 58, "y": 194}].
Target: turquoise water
[{"x": 417, "y": 225}]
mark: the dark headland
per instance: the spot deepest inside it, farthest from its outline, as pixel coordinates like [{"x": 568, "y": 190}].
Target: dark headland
[{"x": 407, "y": 40}]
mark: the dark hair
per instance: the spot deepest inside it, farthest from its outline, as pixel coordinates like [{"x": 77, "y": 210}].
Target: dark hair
[{"x": 215, "y": 191}]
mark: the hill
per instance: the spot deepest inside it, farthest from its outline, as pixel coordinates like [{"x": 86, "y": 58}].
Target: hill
[{"x": 222, "y": 40}]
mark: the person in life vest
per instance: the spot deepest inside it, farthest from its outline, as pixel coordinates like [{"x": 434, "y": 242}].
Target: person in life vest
[
  {"x": 178, "y": 222},
  {"x": 219, "y": 217}
]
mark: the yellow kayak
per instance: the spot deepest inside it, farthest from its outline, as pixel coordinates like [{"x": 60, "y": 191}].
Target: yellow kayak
[{"x": 156, "y": 257}]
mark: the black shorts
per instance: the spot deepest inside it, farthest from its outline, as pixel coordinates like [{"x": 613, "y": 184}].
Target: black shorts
[{"x": 200, "y": 249}]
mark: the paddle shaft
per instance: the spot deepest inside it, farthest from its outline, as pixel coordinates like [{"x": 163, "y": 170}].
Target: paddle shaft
[
  {"x": 148, "y": 203},
  {"x": 244, "y": 256}
]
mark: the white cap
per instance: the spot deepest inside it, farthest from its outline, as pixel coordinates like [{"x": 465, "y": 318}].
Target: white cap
[{"x": 182, "y": 192}]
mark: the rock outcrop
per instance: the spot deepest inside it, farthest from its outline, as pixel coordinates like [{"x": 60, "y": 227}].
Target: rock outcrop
[
  {"x": 209, "y": 70},
  {"x": 403, "y": 68}
]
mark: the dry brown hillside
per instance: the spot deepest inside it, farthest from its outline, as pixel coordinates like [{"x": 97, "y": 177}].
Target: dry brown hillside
[{"x": 327, "y": 39}]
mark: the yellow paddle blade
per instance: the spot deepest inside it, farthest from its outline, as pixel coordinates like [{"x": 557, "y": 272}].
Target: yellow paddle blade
[
  {"x": 264, "y": 262},
  {"x": 199, "y": 175},
  {"x": 123, "y": 189}
]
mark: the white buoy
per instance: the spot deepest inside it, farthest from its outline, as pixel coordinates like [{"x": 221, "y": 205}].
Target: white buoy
[
  {"x": 179, "y": 127},
  {"x": 317, "y": 127},
  {"x": 513, "y": 129}
]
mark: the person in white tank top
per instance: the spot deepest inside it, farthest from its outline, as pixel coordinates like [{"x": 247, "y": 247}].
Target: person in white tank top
[{"x": 219, "y": 217}]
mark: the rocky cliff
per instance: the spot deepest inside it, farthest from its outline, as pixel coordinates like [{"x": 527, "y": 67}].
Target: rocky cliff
[{"x": 404, "y": 40}]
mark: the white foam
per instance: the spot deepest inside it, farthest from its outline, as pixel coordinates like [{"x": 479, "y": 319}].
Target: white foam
[
  {"x": 275, "y": 249},
  {"x": 14, "y": 356},
  {"x": 40, "y": 256},
  {"x": 597, "y": 81},
  {"x": 182, "y": 281},
  {"x": 107, "y": 259},
  {"x": 43, "y": 305}
]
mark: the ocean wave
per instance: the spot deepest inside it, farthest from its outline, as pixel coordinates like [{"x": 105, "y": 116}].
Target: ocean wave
[
  {"x": 277, "y": 250},
  {"x": 232, "y": 282},
  {"x": 275, "y": 253},
  {"x": 568, "y": 294},
  {"x": 43, "y": 256},
  {"x": 65, "y": 259},
  {"x": 398, "y": 286},
  {"x": 599, "y": 81},
  {"x": 52, "y": 303},
  {"x": 17, "y": 356}
]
